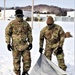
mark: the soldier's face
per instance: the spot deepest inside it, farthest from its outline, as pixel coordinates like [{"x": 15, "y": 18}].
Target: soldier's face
[
  {"x": 19, "y": 18},
  {"x": 50, "y": 26}
]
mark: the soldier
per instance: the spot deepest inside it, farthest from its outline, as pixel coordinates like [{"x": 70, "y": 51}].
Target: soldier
[
  {"x": 18, "y": 35},
  {"x": 54, "y": 36}
]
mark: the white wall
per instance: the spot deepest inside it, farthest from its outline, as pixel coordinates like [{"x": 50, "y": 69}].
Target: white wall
[
  {"x": 71, "y": 13},
  {"x": 8, "y": 13}
]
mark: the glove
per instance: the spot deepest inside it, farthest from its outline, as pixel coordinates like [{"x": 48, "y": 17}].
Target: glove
[
  {"x": 41, "y": 50},
  {"x": 59, "y": 50},
  {"x": 9, "y": 47},
  {"x": 30, "y": 46}
]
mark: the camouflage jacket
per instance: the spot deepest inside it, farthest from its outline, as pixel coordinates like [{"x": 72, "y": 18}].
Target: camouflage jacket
[
  {"x": 54, "y": 36},
  {"x": 19, "y": 31}
]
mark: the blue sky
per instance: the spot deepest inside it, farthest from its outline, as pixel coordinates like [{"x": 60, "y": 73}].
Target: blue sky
[{"x": 60, "y": 3}]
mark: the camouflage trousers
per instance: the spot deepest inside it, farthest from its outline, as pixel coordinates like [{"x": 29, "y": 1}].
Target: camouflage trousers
[
  {"x": 60, "y": 58},
  {"x": 26, "y": 59}
]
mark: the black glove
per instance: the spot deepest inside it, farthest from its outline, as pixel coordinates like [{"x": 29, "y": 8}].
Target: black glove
[
  {"x": 59, "y": 50},
  {"x": 41, "y": 50},
  {"x": 30, "y": 46},
  {"x": 9, "y": 47}
]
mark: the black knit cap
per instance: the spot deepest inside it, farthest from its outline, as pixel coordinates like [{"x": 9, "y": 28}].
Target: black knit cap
[{"x": 19, "y": 12}]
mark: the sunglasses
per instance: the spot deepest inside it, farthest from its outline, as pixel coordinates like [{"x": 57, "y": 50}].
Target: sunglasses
[{"x": 19, "y": 15}]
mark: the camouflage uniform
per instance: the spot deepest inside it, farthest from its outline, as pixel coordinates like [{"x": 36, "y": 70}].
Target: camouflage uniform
[
  {"x": 20, "y": 34},
  {"x": 54, "y": 37}
]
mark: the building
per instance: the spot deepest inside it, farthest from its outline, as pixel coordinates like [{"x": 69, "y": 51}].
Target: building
[
  {"x": 43, "y": 16},
  {"x": 71, "y": 14},
  {"x": 69, "y": 18},
  {"x": 8, "y": 14}
]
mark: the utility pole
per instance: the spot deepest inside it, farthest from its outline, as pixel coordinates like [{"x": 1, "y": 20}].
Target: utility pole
[
  {"x": 14, "y": 6},
  {"x": 4, "y": 8},
  {"x": 32, "y": 13}
]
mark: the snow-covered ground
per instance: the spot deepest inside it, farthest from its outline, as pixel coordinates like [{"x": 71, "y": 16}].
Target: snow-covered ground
[{"x": 6, "y": 63}]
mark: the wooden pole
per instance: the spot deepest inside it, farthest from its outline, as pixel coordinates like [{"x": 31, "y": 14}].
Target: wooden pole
[
  {"x": 32, "y": 13},
  {"x": 4, "y": 8}
]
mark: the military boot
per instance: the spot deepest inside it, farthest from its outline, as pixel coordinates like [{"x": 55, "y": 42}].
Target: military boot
[
  {"x": 64, "y": 67},
  {"x": 17, "y": 73},
  {"x": 25, "y": 73}
]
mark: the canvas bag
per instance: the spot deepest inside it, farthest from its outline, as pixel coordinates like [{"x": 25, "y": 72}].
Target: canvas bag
[{"x": 44, "y": 66}]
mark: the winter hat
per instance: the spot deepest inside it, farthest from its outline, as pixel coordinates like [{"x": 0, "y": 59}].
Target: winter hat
[
  {"x": 19, "y": 12},
  {"x": 50, "y": 20}
]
